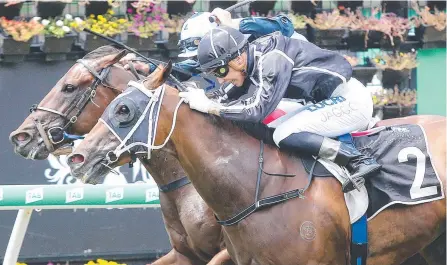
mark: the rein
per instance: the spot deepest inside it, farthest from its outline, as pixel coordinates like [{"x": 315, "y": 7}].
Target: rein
[{"x": 157, "y": 96}]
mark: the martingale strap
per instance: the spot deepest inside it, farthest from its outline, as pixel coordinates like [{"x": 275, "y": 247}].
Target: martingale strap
[
  {"x": 268, "y": 201},
  {"x": 176, "y": 184}
]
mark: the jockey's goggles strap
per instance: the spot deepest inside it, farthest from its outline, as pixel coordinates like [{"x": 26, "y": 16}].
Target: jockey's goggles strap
[{"x": 190, "y": 44}]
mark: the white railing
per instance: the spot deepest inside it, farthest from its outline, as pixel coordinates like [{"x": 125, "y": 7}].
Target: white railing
[{"x": 25, "y": 198}]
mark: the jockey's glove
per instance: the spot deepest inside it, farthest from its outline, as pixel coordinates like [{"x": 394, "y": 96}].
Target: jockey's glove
[{"x": 197, "y": 99}]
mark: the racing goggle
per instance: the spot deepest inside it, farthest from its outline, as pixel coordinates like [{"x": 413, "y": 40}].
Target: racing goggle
[
  {"x": 221, "y": 71},
  {"x": 189, "y": 44}
]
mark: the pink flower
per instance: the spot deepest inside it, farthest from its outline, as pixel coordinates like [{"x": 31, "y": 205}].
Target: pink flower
[
  {"x": 158, "y": 17},
  {"x": 149, "y": 19},
  {"x": 129, "y": 10}
]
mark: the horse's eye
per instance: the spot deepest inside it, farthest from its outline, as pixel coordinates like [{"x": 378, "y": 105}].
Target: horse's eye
[
  {"x": 69, "y": 88},
  {"x": 123, "y": 110}
]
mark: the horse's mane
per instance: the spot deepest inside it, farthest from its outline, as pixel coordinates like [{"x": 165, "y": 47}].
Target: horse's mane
[{"x": 101, "y": 52}]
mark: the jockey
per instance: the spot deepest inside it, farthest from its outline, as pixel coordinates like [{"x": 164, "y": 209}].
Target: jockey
[
  {"x": 274, "y": 67},
  {"x": 198, "y": 25}
]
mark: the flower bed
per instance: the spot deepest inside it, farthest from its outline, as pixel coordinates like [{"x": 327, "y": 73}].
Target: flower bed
[
  {"x": 16, "y": 37},
  {"x": 395, "y": 68},
  {"x": 107, "y": 25}
]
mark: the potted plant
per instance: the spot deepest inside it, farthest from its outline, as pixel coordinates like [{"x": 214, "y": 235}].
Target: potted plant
[
  {"x": 395, "y": 68},
  {"x": 374, "y": 28},
  {"x": 50, "y": 9},
  {"x": 15, "y": 38},
  {"x": 58, "y": 36},
  {"x": 430, "y": 27},
  {"x": 145, "y": 26},
  {"x": 172, "y": 27},
  {"x": 107, "y": 25},
  {"x": 362, "y": 73},
  {"x": 299, "y": 23},
  {"x": 329, "y": 28},
  {"x": 358, "y": 30},
  {"x": 10, "y": 10},
  {"x": 395, "y": 28},
  {"x": 393, "y": 103}
]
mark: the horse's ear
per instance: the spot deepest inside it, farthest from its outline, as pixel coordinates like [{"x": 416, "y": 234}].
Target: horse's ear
[
  {"x": 108, "y": 60},
  {"x": 167, "y": 71},
  {"x": 159, "y": 76},
  {"x": 118, "y": 57}
]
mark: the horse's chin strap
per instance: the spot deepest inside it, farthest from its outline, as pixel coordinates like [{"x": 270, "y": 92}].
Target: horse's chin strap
[{"x": 44, "y": 136}]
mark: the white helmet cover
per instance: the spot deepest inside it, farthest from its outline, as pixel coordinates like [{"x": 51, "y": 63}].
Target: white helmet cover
[{"x": 192, "y": 32}]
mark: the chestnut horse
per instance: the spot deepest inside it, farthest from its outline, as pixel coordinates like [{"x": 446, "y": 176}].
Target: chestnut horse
[
  {"x": 221, "y": 161},
  {"x": 193, "y": 231}
]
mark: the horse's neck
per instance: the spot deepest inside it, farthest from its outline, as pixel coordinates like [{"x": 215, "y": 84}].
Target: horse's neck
[
  {"x": 222, "y": 163},
  {"x": 163, "y": 167}
]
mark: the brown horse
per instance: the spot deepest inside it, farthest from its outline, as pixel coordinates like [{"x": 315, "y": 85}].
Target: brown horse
[
  {"x": 74, "y": 95},
  {"x": 222, "y": 163},
  {"x": 193, "y": 231}
]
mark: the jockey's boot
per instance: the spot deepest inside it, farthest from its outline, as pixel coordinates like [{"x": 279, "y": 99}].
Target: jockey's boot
[{"x": 360, "y": 166}]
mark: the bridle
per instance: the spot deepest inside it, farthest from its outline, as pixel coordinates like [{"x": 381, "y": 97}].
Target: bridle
[{"x": 56, "y": 135}]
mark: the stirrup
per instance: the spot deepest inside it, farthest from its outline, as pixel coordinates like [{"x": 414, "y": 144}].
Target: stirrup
[{"x": 357, "y": 182}]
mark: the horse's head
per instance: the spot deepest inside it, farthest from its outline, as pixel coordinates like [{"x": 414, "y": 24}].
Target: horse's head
[
  {"x": 122, "y": 130},
  {"x": 74, "y": 105}
]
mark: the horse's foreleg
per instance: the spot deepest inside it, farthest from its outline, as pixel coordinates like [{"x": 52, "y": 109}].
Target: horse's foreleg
[
  {"x": 221, "y": 258},
  {"x": 435, "y": 253},
  {"x": 173, "y": 258}
]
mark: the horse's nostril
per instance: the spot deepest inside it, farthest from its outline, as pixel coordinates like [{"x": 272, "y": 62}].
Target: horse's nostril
[
  {"x": 77, "y": 159},
  {"x": 21, "y": 137}
]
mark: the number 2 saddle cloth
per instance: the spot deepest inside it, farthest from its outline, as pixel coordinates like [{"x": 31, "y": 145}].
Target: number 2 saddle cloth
[{"x": 407, "y": 175}]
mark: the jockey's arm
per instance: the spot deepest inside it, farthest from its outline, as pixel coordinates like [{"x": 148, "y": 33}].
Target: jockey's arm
[
  {"x": 274, "y": 81},
  {"x": 259, "y": 26}
]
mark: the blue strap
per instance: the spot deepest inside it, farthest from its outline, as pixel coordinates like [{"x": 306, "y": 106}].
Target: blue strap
[
  {"x": 72, "y": 136},
  {"x": 359, "y": 238},
  {"x": 347, "y": 139},
  {"x": 359, "y": 244},
  {"x": 360, "y": 230}
]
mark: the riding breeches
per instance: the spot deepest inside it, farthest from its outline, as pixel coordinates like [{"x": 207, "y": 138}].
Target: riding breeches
[{"x": 349, "y": 109}]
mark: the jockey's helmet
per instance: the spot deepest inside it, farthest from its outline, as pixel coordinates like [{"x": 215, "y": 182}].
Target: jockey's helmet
[
  {"x": 219, "y": 46},
  {"x": 192, "y": 32}
]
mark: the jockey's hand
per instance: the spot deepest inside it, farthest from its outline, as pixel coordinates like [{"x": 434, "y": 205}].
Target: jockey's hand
[
  {"x": 139, "y": 66},
  {"x": 199, "y": 101},
  {"x": 223, "y": 17}
]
